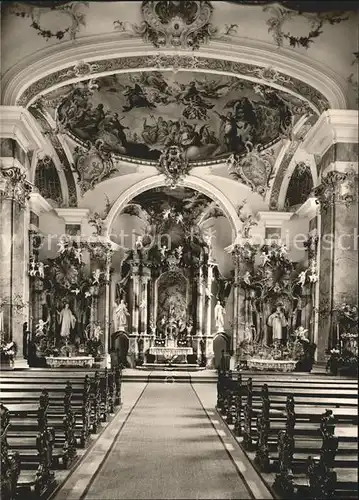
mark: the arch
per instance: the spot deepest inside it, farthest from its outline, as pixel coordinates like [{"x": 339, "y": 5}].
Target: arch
[
  {"x": 296, "y": 159},
  {"x": 53, "y": 62},
  {"x": 189, "y": 181},
  {"x": 47, "y": 180}
]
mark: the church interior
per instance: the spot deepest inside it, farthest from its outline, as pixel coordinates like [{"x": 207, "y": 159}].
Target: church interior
[{"x": 178, "y": 251}]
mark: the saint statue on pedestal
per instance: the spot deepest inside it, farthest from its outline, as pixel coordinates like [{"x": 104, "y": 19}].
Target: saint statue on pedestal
[
  {"x": 277, "y": 321},
  {"x": 219, "y": 313},
  {"x": 66, "y": 319},
  {"x": 120, "y": 315}
]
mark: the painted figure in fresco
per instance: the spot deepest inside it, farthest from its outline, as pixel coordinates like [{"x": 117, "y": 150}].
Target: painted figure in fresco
[
  {"x": 120, "y": 316},
  {"x": 219, "y": 313},
  {"x": 277, "y": 321},
  {"x": 67, "y": 320},
  {"x": 136, "y": 98},
  {"x": 112, "y": 124}
]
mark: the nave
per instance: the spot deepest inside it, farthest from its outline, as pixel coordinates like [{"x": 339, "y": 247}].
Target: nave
[
  {"x": 177, "y": 434},
  {"x": 168, "y": 448}
]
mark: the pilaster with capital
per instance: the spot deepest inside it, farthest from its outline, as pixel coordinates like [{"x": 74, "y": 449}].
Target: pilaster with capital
[
  {"x": 334, "y": 142},
  {"x": 14, "y": 194},
  {"x": 19, "y": 135},
  {"x": 243, "y": 255}
]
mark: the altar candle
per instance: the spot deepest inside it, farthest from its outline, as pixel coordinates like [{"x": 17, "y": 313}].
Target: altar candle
[{"x": 337, "y": 339}]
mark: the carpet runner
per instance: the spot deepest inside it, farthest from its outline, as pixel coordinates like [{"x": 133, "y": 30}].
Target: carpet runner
[{"x": 168, "y": 449}]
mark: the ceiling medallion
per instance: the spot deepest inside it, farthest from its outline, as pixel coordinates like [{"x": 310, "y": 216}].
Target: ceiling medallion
[
  {"x": 184, "y": 24},
  {"x": 173, "y": 165}
]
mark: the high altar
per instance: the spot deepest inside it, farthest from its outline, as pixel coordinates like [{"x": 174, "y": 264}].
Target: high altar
[{"x": 171, "y": 306}]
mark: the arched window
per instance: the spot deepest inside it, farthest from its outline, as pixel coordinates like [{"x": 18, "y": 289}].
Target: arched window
[
  {"x": 300, "y": 185},
  {"x": 47, "y": 181}
]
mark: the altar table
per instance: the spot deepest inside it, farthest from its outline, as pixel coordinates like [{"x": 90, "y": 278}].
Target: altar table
[
  {"x": 168, "y": 352},
  {"x": 70, "y": 362}
]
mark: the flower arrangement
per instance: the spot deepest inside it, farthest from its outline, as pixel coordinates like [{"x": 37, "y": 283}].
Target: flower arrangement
[{"x": 343, "y": 362}]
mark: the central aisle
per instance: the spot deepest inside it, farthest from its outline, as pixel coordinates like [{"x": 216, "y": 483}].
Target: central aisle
[{"x": 168, "y": 449}]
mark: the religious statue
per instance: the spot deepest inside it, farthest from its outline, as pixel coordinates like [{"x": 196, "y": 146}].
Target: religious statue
[
  {"x": 277, "y": 321},
  {"x": 219, "y": 313},
  {"x": 120, "y": 315},
  {"x": 67, "y": 320}
]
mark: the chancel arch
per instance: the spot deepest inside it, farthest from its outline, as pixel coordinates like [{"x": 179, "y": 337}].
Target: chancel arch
[{"x": 189, "y": 181}]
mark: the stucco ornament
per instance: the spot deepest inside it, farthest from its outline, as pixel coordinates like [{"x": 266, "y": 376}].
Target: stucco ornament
[
  {"x": 176, "y": 24},
  {"x": 255, "y": 169},
  {"x": 13, "y": 185},
  {"x": 173, "y": 165},
  {"x": 338, "y": 188},
  {"x": 92, "y": 165}
]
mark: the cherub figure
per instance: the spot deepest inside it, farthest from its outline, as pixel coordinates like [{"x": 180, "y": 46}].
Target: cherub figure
[
  {"x": 265, "y": 258},
  {"x": 32, "y": 270},
  {"x": 62, "y": 246},
  {"x": 163, "y": 251},
  {"x": 41, "y": 269},
  {"x": 179, "y": 218},
  {"x": 96, "y": 276},
  {"x": 247, "y": 278},
  {"x": 78, "y": 255},
  {"x": 301, "y": 278},
  {"x": 39, "y": 330}
]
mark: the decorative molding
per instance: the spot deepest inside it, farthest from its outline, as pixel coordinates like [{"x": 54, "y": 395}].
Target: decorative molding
[
  {"x": 333, "y": 126},
  {"x": 55, "y": 59},
  {"x": 274, "y": 219},
  {"x": 184, "y": 25},
  {"x": 38, "y": 204},
  {"x": 14, "y": 186},
  {"x": 73, "y": 215},
  {"x": 340, "y": 166},
  {"x": 255, "y": 169},
  {"x": 173, "y": 165},
  {"x": 17, "y": 123},
  {"x": 338, "y": 188},
  {"x": 308, "y": 210}
]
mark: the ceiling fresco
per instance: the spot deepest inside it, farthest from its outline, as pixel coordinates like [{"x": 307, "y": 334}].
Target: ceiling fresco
[{"x": 140, "y": 114}]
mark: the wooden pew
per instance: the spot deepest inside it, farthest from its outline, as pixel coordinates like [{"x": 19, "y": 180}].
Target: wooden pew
[
  {"x": 10, "y": 461},
  {"x": 282, "y": 438},
  {"x": 39, "y": 481}
]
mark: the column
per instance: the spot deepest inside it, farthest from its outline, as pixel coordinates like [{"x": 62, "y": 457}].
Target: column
[
  {"x": 14, "y": 254},
  {"x": 107, "y": 359},
  {"x": 209, "y": 335},
  {"x": 200, "y": 285},
  {"x": 334, "y": 141},
  {"x": 133, "y": 348}
]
